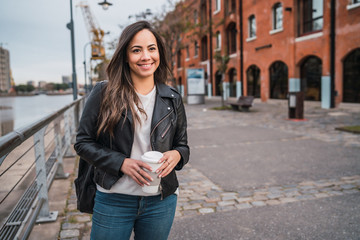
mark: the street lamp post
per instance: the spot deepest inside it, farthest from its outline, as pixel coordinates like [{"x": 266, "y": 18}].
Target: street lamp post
[
  {"x": 70, "y": 26},
  {"x": 86, "y": 86}
]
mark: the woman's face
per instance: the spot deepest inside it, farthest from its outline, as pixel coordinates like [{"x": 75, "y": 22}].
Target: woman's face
[{"x": 143, "y": 55}]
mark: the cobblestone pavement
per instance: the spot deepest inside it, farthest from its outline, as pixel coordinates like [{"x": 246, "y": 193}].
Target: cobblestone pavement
[{"x": 199, "y": 195}]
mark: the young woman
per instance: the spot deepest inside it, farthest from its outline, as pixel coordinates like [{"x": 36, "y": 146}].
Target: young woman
[{"x": 132, "y": 113}]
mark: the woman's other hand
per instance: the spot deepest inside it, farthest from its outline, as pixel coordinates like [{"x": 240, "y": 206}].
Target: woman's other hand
[{"x": 169, "y": 160}]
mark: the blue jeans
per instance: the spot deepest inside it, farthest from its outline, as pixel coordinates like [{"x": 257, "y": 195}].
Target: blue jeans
[{"x": 116, "y": 215}]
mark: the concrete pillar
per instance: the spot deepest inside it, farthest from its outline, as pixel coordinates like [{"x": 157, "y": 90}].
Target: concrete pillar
[
  {"x": 238, "y": 89},
  {"x": 325, "y": 92},
  {"x": 294, "y": 85},
  {"x": 226, "y": 88},
  {"x": 209, "y": 86}
]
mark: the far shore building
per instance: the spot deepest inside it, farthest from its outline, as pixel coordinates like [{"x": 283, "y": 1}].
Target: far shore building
[
  {"x": 42, "y": 84},
  {"x": 275, "y": 47},
  {"x": 5, "y": 74},
  {"x": 31, "y": 82}
]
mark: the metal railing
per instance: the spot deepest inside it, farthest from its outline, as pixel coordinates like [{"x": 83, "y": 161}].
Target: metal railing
[{"x": 41, "y": 161}]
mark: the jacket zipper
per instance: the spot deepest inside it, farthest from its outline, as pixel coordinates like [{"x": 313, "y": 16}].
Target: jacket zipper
[
  {"x": 151, "y": 144},
  {"x": 166, "y": 130},
  {"x": 167, "y": 115}
]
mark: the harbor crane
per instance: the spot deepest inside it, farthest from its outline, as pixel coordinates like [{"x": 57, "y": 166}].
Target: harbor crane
[{"x": 96, "y": 34}]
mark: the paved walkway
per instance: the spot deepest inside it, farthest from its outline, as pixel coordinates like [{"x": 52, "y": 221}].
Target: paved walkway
[{"x": 203, "y": 194}]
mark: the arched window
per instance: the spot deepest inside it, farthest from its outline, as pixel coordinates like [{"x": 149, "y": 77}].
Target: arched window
[
  {"x": 351, "y": 84},
  {"x": 218, "y": 86},
  {"x": 232, "y": 81},
  {"x": 253, "y": 81},
  {"x": 311, "y": 71},
  {"x": 231, "y": 38},
  {"x": 277, "y": 16},
  {"x": 204, "y": 48},
  {"x": 252, "y": 26},
  {"x": 218, "y": 40},
  {"x": 278, "y": 80}
]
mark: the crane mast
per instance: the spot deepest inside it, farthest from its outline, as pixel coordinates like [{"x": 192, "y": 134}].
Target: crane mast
[{"x": 96, "y": 34}]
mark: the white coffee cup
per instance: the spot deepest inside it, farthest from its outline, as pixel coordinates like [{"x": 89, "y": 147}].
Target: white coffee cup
[{"x": 152, "y": 158}]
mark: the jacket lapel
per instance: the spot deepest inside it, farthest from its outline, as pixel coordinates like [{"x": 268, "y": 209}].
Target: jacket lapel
[{"x": 162, "y": 108}]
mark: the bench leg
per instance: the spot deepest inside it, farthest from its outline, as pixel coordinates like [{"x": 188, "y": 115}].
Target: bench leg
[
  {"x": 245, "y": 108},
  {"x": 235, "y": 107}
]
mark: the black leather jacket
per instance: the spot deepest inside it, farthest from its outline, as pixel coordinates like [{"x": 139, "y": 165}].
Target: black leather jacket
[{"x": 168, "y": 132}]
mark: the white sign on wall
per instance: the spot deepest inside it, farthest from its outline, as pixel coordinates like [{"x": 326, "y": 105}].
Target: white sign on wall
[{"x": 196, "y": 81}]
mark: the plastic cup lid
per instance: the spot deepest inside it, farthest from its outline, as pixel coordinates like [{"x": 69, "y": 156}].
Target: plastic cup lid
[{"x": 152, "y": 156}]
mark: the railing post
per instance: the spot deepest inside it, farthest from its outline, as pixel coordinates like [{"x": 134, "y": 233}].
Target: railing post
[
  {"x": 73, "y": 123},
  {"x": 60, "y": 173},
  {"x": 41, "y": 180},
  {"x": 67, "y": 128}
]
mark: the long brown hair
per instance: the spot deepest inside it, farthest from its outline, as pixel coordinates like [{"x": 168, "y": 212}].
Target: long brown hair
[{"x": 119, "y": 93}]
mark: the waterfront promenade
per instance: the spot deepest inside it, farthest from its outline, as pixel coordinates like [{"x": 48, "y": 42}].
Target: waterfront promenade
[{"x": 252, "y": 175}]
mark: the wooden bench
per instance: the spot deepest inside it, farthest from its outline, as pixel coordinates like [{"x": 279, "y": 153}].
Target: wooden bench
[{"x": 245, "y": 102}]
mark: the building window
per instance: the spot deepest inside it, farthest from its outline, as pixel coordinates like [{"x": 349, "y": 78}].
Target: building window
[
  {"x": 204, "y": 49},
  {"x": 217, "y": 5},
  {"x": 310, "y": 14},
  {"x": 196, "y": 16},
  {"x": 277, "y": 16},
  {"x": 231, "y": 37},
  {"x": 230, "y": 6},
  {"x": 203, "y": 12},
  {"x": 233, "y": 6},
  {"x": 252, "y": 26},
  {"x": 353, "y": 4},
  {"x": 218, "y": 40},
  {"x": 187, "y": 52},
  {"x": 179, "y": 59},
  {"x": 196, "y": 49}
]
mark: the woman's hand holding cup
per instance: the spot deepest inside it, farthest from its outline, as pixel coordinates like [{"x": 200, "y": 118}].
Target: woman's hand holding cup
[{"x": 135, "y": 169}]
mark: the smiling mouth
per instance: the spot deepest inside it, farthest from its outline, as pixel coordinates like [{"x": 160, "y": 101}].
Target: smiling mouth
[{"x": 145, "y": 65}]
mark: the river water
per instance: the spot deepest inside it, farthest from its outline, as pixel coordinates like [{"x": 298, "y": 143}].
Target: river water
[{"x": 16, "y": 112}]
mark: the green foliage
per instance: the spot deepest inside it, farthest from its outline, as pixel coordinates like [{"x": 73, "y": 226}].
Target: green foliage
[
  {"x": 222, "y": 108},
  {"x": 61, "y": 86},
  {"x": 221, "y": 61},
  {"x": 24, "y": 88},
  {"x": 352, "y": 129}
]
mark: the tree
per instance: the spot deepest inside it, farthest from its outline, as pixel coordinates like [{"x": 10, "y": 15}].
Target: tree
[
  {"x": 222, "y": 65},
  {"x": 100, "y": 70},
  {"x": 24, "y": 88},
  {"x": 173, "y": 26}
]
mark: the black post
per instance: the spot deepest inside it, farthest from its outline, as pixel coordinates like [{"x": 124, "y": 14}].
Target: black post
[
  {"x": 332, "y": 52},
  {"x": 211, "y": 47},
  {"x": 241, "y": 48},
  {"x": 70, "y": 26}
]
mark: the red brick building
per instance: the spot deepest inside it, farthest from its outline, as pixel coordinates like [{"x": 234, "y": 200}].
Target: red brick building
[{"x": 275, "y": 47}]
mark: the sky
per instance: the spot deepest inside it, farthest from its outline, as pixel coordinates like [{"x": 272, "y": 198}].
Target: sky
[{"x": 35, "y": 33}]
